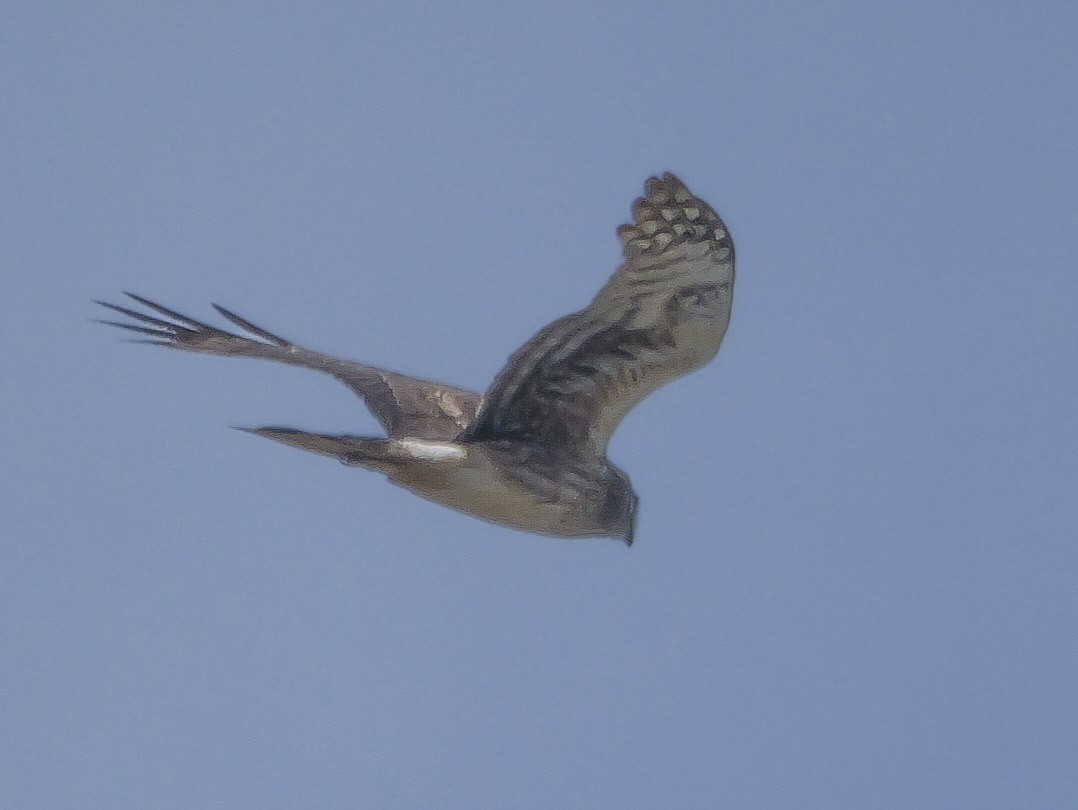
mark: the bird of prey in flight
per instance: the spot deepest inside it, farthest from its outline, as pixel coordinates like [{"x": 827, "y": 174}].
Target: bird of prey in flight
[{"x": 530, "y": 453}]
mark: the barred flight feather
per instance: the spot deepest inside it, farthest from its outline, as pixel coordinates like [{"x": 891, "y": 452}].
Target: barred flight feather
[{"x": 661, "y": 315}]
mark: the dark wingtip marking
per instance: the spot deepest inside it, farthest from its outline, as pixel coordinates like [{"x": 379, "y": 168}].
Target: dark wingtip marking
[
  {"x": 164, "y": 337},
  {"x": 169, "y": 313},
  {"x": 138, "y": 316},
  {"x": 254, "y": 329}
]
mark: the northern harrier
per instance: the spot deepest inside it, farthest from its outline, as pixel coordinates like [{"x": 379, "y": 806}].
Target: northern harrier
[{"x": 531, "y": 452}]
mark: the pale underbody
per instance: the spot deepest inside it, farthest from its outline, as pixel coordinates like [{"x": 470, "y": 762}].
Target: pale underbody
[{"x": 470, "y": 477}]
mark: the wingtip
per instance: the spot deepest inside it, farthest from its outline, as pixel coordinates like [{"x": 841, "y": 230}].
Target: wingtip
[
  {"x": 666, "y": 187},
  {"x": 253, "y": 328}
]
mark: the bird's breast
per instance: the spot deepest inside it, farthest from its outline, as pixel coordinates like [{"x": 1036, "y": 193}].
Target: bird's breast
[{"x": 475, "y": 479}]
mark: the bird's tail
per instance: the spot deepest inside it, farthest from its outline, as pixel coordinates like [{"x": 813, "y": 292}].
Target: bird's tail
[
  {"x": 374, "y": 453},
  {"x": 365, "y": 451}
]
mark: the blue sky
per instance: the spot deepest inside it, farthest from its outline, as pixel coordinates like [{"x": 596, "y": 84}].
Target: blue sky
[{"x": 854, "y": 581}]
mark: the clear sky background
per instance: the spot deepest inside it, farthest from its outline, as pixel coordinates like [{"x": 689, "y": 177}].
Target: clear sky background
[{"x": 855, "y": 582}]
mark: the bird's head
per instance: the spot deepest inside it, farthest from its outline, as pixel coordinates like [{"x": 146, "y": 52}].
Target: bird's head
[{"x": 619, "y": 506}]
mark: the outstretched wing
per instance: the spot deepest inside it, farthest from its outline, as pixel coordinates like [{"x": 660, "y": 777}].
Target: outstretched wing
[
  {"x": 660, "y": 316},
  {"x": 405, "y": 406}
]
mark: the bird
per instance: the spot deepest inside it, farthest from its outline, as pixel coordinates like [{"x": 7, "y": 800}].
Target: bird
[{"x": 529, "y": 453}]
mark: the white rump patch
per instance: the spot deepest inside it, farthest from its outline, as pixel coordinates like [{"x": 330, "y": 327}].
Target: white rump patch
[{"x": 431, "y": 450}]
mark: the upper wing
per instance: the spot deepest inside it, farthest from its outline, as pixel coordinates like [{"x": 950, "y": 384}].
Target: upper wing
[
  {"x": 404, "y": 405},
  {"x": 661, "y": 315}
]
